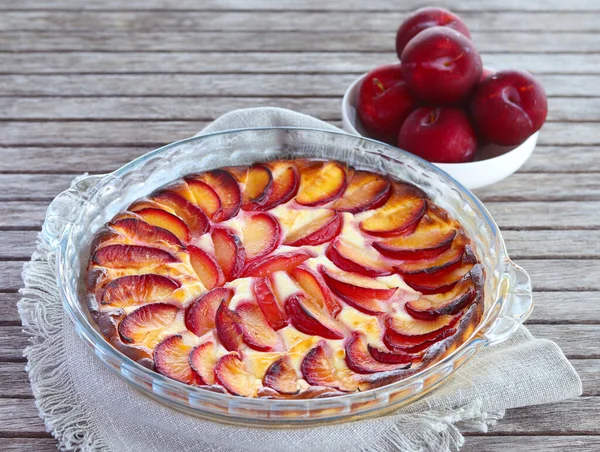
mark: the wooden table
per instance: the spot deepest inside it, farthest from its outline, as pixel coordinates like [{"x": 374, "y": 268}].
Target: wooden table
[{"x": 87, "y": 86}]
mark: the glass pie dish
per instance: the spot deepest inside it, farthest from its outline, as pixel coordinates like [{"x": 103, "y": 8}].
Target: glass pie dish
[{"x": 507, "y": 288}]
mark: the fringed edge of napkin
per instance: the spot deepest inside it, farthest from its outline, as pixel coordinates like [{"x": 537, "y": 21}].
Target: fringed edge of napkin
[{"x": 64, "y": 415}]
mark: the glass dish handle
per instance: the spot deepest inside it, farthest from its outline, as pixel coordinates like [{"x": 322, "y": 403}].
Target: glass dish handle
[
  {"x": 516, "y": 308},
  {"x": 63, "y": 209}
]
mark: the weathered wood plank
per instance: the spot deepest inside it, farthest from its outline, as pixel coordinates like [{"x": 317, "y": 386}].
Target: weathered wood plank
[
  {"x": 27, "y": 421},
  {"x": 563, "y": 275},
  {"x": 206, "y": 108},
  {"x": 576, "y": 341},
  {"x": 310, "y": 5},
  {"x": 589, "y": 371},
  {"x": 28, "y": 444},
  {"x": 558, "y": 159},
  {"x": 277, "y": 41},
  {"x": 491, "y": 443},
  {"x": 524, "y": 187},
  {"x": 10, "y": 275},
  {"x": 12, "y": 343},
  {"x": 256, "y": 85},
  {"x": 163, "y": 108},
  {"x": 15, "y": 382},
  {"x": 565, "y": 307},
  {"x": 17, "y": 244},
  {"x": 544, "y": 215},
  {"x": 22, "y": 214},
  {"x": 261, "y": 62},
  {"x": 547, "y": 244},
  {"x": 111, "y": 133},
  {"x": 542, "y": 187},
  {"x": 281, "y": 21},
  {"x": 578, "y": 415}
]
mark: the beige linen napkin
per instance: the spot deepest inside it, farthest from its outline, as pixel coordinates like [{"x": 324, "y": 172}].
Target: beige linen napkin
[{"x": 87, "y": 407}]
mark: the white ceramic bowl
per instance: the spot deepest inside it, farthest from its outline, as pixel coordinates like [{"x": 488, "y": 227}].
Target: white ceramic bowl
[{"x": 492, "y": 163}]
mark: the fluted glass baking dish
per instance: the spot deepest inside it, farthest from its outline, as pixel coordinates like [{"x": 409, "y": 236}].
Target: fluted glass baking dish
[{"x": 507, "y": 289}]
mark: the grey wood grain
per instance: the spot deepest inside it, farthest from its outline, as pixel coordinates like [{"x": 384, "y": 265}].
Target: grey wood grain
[
  {"x": 28, "y": 420},
  {"x": 576, "y": 341},
  {"x": 548, "y": 244},
  {"x": 22, "y": 214},
  {"x": 309, "y": 5},
  {"x": 565, "y": 307},
  {"x": 10, "y": 275},
  {"x": 175, "y": 21},
  {"x": 257, "y": 85},
  {"x": 563, "y": 275},
  {"x": 544, "y": 215},
  {"x": 17, "y": 244},
  {"x": 207, "y": 108},
  {"x": 15, "y": 382},
  {"x": 164, "y": 108},
  {"x": 491, "y": 443},
  {"x": 29, "y": 444},
  {"x": 264, "y": 62},
  {"x": 542, "y": 187},
  {"x": 277, "y": 41},
  {"x": 111, "y": 133},
  {"x": 550, "y": 159},
  {"x": 574, "y": 416}
]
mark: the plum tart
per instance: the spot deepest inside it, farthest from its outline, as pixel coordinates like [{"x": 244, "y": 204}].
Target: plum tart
[{"x": 285, "y": 279}]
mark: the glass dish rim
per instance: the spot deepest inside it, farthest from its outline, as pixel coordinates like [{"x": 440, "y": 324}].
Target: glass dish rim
[{"x": 78, "y": 317}]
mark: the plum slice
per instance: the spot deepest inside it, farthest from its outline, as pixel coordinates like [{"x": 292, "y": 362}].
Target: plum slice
[
  {"x": 138, "y": 289},
  {"x": 229, "y": 252},
  {"x": 258, "y": 187},
  {"x": 131, "y": 256},
  {"x": 201, "y": 313},
  {"x": 321, "y": 230},
  {"x": 318, "y": 371},
  {"x": 428, "y": 307},
  {"x": 203, "y": 360},
  {"x": 166, "y": 220},
  {"x": 365, "y": 191},
  {"x": 399, "y": 215},
  {"x": 309, "y": 319},
  {"x": 204, "y": 197},
  {"x": 316, "y": 289},
  {"x": 286, "y": 180},
  {"x": 263, "y": 292},
  {"x": 144, "y": 233},
  {"x": 360, "y": 360},
  {"x": 257, "y": 333},
  {"x": 282, "y": 377},
  {"x": 261, "y": 235},
  {"x": 230, "y": 373},
  {"x": 172, "y": 359},
  {"x": 353, "y": 259},
  {"x": 145, "y": 325},
  {"x": 228, "y": 190},
  {"x": 321, "y": 183},
  {"x": 206, "y": 267},
  {"x": 275, "y": 262}
]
